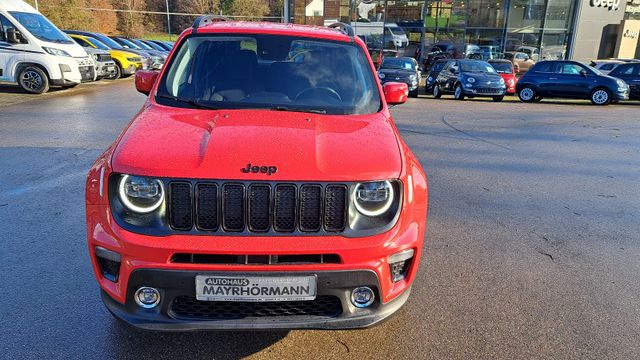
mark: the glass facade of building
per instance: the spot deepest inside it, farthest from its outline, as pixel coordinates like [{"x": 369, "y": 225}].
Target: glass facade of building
[{"x": 541, "y": 28}]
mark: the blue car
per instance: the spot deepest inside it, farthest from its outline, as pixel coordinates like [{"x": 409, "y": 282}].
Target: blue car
[
  {"x": 629, "y": 73},
  {"x": 572, "y": 80},
  {"x": 471, "y": 78}
]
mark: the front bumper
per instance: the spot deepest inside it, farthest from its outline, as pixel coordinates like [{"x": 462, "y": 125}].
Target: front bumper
[
  {"x": 476, "y": 89},
  {"x": 105, "y": 69},
  {"x": 174, "y": 284},
  {"x": 133, "y": 68},
  {"x": 621, "y": 94},
  {"x": 413, "y": 85}
]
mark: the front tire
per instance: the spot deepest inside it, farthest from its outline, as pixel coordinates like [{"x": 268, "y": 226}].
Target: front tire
[
  {"x": 436, "y": 92},
  {"x": 33, "y": 80},
  {"x": 116, "y": 75},
  {"x": 527, "y": 94},
  {"x": 458, "y": 93},
  {"x": 600, "y": 97}
]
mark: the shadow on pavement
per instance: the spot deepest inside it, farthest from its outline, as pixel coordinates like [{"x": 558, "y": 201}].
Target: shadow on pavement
[
  {"x": 127, "y": 342},
  {"x": 16, "y": 89}
]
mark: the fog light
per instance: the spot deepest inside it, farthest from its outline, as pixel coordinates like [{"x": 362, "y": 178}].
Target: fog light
[
  {"x": 147, "y": 297},
  {"x": 399, "y": 264},
  {"x": 362, "y": 297}
]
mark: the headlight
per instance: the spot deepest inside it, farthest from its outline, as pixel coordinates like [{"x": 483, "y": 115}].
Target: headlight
[
  {"x": 430, "y": 79},
  {"x": 511, "y": 82},
  {"x": 140, "y": 194},
  {"x": 413, "y": 77},
  {"x": 56, "y": 52},
  {"x": 471, "y": 80},
  {"x": 95, "y": 57},
  {"x": 134, "y": 59},
  {"x": 381, "y": 75},
  {"x": 501, "y": 81},
  {"x": 620, "y": 83},
  {"x": 373, "y": 198}
]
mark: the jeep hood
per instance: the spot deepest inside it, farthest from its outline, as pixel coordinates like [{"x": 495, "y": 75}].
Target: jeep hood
[{"x": 212, "y": 144}]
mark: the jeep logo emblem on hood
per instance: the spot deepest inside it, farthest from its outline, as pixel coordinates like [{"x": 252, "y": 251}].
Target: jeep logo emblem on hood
[{"x": 260, "y": 169}]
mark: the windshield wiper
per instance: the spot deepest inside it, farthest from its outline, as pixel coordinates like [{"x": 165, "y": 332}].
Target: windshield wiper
[
  {"x": 309, "y": 110},
  {"x": 195, "y": 103}
]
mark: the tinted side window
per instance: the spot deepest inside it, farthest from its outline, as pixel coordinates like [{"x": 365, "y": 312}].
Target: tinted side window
[
  {"x": 607, "y": 66},
  {"x": 623, "y": 70},
  {"x": 544, "y": 67},
  {"x": 570, "y": 69},
  {"x": 81, "y": 42},
  {"x": 439, "y": 65}
]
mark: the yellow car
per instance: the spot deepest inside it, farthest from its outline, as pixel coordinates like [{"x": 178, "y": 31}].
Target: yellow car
[{"x": 127, "y": 63}]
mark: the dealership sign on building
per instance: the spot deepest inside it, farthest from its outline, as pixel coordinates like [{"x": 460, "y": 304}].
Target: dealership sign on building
[{"x": 607, "y": 4}]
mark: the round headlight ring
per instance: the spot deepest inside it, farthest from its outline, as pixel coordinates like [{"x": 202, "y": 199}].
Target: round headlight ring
[
  {"x": 133, "y": 207},
  {"x": 381, "y": 75},
  {"x": 471, "y": 80},
  {"x": 379, "y": 211}
]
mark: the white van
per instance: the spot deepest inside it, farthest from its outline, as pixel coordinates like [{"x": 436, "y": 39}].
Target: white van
[
  {"x": 393, "y": 34},
  {"x": 35, "y": 54}
]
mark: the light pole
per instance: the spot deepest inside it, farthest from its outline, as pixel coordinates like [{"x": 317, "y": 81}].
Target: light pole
[
  {"x": 168, "y": 19},
  {"x": 37, "y": 5}
]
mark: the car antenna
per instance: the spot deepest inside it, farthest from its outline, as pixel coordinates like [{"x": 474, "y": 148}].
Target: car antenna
[{"x": 206, "y": 20}]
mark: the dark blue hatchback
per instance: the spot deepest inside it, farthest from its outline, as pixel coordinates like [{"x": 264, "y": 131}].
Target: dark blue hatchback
[{"x": 570, "y": 79}]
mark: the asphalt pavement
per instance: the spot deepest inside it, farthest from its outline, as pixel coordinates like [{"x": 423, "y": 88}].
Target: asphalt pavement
[{"x": 533, "y": 239}]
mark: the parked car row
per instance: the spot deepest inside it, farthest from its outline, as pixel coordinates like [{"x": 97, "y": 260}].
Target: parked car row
[
  {"x": 35, "y": 54},
  {"x": 129, "y": 55},
  {"x": 546, "y": 79},
  {"x": 524, "y": 56}
]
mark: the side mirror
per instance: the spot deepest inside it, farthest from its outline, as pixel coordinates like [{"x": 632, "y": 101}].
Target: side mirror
[
  {"x": 584, "y": 73},
  {"x": 395, "y": 93},
  {"x": 145, "y": 80},
  {"x": 14, "y": 36}
]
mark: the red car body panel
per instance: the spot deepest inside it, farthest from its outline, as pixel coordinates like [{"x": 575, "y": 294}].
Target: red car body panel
[
  {"x": 169, "y": 142},
  {"x": 183, "y": 143},
  {"x": 511, "y": 81}
]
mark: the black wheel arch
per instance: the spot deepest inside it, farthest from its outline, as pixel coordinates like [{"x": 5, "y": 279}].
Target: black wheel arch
[{"x": 21, "y": 65}]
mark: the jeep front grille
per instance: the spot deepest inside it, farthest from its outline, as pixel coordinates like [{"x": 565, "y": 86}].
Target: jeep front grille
[
  {"x": 187, "y": 307},
  {"x": 258, "y": 207}
]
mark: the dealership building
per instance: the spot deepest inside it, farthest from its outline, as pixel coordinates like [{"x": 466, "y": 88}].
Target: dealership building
[{"x": 547, "y": 29}]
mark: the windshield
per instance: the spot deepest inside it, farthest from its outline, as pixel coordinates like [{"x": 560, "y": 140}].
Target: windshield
[
  {"x": 439, "y": 65},
  {"x": 391, "y": 63},
  {"x": 142, "y": 45},
  {"x": 150, "y": 45},
  {"x": 40, "y": 27},
  {"x": 270, "y": 72},
  {"x": 396, "y": 30},
  {"x": 97, "y": 43},
  {"x": 107, "y": 41},
  {"x": 502, "y": 67},
  {"x": 525, "y": 50},
  {"x": 477, "y": 66},
  {"x": 129, "y": 44}
]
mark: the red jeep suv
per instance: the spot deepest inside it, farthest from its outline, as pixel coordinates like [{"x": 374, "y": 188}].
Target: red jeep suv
[{"x": 263, "y": 185}]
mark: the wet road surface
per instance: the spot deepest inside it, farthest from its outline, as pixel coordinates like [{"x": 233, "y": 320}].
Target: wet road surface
[{"x": 533, "y": 238}]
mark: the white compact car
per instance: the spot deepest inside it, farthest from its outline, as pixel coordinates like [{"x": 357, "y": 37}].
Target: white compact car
[{"x": 35, "y": 54}]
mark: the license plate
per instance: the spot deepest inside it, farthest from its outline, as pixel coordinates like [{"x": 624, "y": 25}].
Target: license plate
[{"x": 255, "y": 288}]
